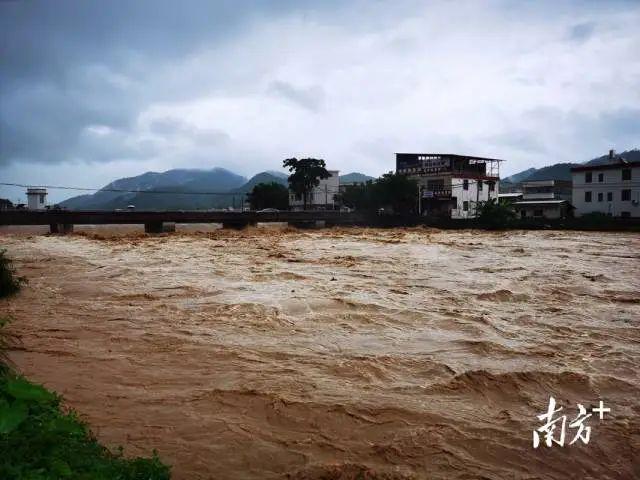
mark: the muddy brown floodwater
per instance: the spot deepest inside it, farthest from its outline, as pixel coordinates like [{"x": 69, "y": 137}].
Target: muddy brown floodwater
[{"x": 340, "y": 353}]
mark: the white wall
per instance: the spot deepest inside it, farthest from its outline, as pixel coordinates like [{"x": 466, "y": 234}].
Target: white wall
[
  {"x": 322, "y": 194},
  {"x": 612, "y": 183},
  {"x": 472, "y": 196},
  {"x": 37, "y": 201}
]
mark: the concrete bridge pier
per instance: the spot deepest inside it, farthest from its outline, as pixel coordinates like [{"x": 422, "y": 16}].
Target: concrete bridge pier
[
  {"x": 238, "y": 224},
  {"x": 61, "y": 228},
  {"x": 306, "y": 224},
  {"x": 153, "y": 227}
]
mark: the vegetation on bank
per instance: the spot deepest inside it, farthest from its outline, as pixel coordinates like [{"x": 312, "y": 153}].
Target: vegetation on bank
[
  {"x": 269, "y": 195},
  {"x": 39, "y": 439},
  {"x": 392, "y": 191},
  {"x": 10, "y": 283},
  {"x": 495, "y": 215}
]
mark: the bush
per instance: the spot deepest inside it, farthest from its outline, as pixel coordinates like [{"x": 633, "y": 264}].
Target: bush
[
  {"x": 9, "y": 282},
  {"x": 6, "y": 341},
  {"x": 39, "y": 441},
  {"x": 495, "y": 215}
]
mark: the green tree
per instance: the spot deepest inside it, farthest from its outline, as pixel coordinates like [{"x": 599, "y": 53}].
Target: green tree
[
  {"x": 495, "y": 215},
  {"x": 307, "y": 173},
  {"x": 269, "y": 195},
  {"x": 396, "y": 191},
  {"x": 357, "y": 196}
]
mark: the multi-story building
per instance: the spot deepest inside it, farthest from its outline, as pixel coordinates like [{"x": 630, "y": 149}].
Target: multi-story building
[
  {"x": 545, "y": 199},
  {"x": 612, "y": 188},
  {"x": 451, "y": 185},
  {"x": 322, "y": 197}
]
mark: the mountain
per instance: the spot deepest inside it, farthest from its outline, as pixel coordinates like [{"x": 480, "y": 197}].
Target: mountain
[
  {"x": 355, "y": 177},
  {"x": 264, "y": 177},
  {"x": 184, "y": 181},
  {"x": 562, "y": 171},
  {"x": 629, "y": 155},
  {"x": 519, "y": 177}
]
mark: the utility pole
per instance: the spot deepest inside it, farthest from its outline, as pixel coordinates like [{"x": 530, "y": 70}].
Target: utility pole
[{"x": 326, "y": 197}]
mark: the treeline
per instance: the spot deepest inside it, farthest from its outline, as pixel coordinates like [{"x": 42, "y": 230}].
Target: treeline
[{"x": 394, "y": 192}]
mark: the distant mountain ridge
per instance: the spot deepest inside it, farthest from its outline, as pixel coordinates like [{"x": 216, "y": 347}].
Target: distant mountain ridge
[
  {"x": 355, "y": 177},
  {"x": 562, "y": 171},
  {"x": 223, "y": 188}
]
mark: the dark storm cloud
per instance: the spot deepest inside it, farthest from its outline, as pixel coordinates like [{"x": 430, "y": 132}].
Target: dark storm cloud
[
  {"x": 112, "y": 88},
  {"x": 70, "y": 64}
]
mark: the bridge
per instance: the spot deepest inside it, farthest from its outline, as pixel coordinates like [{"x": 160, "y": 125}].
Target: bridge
[{"x": 62, "y": 221}]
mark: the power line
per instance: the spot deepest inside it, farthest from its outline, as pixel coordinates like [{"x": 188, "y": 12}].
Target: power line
[{"x": 117, "y": 190}]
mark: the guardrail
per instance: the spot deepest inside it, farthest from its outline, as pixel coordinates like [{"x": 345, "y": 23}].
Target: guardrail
[{"x": 65, "y": 219}]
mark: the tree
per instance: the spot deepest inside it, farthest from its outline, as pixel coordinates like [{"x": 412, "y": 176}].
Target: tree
[
  {"x": 307, "y": 173},
  {"x": 391, "y": 190},
  {"x": 357, "y": 196},
  {"x": 396, "y": 191},
  {"x": 269, "y": 195},
  {"x": 495, "y": 215}
]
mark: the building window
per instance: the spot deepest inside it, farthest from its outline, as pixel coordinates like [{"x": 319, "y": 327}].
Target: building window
[
  {"x": 625, "y": 214},
  {"x": 480, "y": 185},
  {"x": 600, "y": 196},
  {"x": 587, "y": 196},
  {"x": 41, "y": 198},
  {"x": 465, "y": 206},
  {"x": 626, "y": 195},
  {"x": 538, "y": 213},
  {"x": 465, "y": 184},
  {"x": 587, "y": 177},
  {"x": 626, "y": 174},
  {"x": 601, "y": 177},
  {"x": 492, "y": 186},
  {"x": 609, "y": 196}
]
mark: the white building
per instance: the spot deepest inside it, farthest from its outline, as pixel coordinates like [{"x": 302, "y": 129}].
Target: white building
[
  {"x": 612, "y": 188},
  {"x": 322, "y": 197},
  {"x": 451, "y": 185},
  {"x": 36, "y": 198},
  {"x": 545, "y": 199}
]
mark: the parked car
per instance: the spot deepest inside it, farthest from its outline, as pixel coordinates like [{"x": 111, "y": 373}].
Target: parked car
[
  {"x": 131, "y": 207},
  {"x": 268, "y": 210}
]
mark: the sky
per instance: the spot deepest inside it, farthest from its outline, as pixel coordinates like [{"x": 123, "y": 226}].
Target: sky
[{"x": 92, "y": 91}]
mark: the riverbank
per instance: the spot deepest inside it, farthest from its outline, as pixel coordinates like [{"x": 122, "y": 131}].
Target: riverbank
[{"x": 399, "y": 352}]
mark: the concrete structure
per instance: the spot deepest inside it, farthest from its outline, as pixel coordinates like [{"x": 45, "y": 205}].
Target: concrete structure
[
  {"x": 543, "y": 209},
  {"x": 62, "y": 221},
  {"x": 612, "y": 189},
  {"x": 36, "y": 198},
  {"x": 545, "y": 199},
  {"x": 510, "y": 197},
  {"x": 6, "y": 204},
  {"x": 322, "y": 197},
  {"x": 451, "y": 185}
]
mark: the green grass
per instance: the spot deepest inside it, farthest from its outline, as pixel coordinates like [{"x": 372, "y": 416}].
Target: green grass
[{"x": 39, "y": 440}]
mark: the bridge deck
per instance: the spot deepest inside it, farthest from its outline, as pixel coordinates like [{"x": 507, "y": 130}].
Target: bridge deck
[{"x": 81, "y": 217}]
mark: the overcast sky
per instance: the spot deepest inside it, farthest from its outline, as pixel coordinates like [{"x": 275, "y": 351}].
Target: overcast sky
[{"x": 91, "y": 91}]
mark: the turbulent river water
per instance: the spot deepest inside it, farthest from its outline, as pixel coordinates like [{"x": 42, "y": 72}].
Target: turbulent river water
[{"x": 344, "y": 353}]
